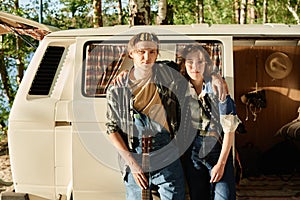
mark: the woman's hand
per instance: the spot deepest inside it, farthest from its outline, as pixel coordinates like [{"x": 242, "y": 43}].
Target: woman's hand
[
  {"x": 217, "y": 172},
  {"x": 119, "y": 80},
  {"x": 219, "y": 86}
]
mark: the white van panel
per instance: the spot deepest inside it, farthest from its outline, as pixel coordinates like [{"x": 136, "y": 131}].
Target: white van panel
[
  {"x": 63, "y": 158},
  {"x": 92, "y": 153},
  {"x": 92, "y": 179},
  {"x": 63, "y": 124},
  {"x": 40, "y": 152},
  {"x": 33, "y": 151}
]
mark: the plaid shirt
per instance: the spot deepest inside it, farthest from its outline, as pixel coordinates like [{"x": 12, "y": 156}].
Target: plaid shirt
[
  {"x": 172, "y": 89},
  {"x": 211, "y": 115}
]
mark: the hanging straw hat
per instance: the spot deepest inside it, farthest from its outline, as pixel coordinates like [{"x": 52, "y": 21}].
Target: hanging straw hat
[{"x": 278, "y": 65}]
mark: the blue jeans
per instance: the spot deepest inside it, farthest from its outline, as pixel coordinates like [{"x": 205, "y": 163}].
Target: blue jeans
[
  {"x": 169, "y": 180},
  {"x": 205, "y": 153}
]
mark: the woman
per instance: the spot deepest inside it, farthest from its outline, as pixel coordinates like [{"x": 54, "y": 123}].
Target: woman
[{"x": 209, "y": 164}]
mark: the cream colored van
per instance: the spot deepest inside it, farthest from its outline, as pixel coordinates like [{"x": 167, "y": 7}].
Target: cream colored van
[{"x": 57, "y": 136}]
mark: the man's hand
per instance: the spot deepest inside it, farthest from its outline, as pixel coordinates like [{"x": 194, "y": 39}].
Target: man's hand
[
  {"x": 135, "y": 168},
  {"x": 219, "y": 86},
  {"x": 139, "y": 175}
]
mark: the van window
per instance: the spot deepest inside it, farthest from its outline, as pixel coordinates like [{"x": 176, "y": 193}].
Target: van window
[
  {"x": 102, "y": 64},
  {"x": 45, "y": 74},
  {"x": 103, "y": 61}
]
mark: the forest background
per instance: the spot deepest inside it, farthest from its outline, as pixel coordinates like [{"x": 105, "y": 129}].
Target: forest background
[{"x": 15, "y": 54}]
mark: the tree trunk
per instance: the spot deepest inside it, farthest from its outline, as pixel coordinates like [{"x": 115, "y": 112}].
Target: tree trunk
[
  {"x": 5, "y": 79},
  {"x": 139, "y": 12},
  {"x": 97, "y": 19},
  {"x": 200, "y": 12},
  {"x": 294, "y": 11},
  {"x": 265, "y": 11},
  {"x": 251, "y": 11},
  {"x": 162, "y": 12},
  {"x": 20, "y": 63},
  {"x": 236, "y": 11},
  {"x": 170, "y": 14},
  {"x": 243, "y": 11},
  {"x": 120, "y": 12},
  {"x": 19, "y": 45}
]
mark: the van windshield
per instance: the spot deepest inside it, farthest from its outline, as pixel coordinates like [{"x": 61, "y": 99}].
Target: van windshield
[{"x": 104, "y": 61}]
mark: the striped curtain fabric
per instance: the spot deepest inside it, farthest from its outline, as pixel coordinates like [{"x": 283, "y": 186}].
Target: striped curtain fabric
[{"x": 103, "y": 63}]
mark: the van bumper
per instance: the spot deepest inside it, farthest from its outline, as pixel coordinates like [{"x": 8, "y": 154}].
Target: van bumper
[{"x": 23, "y": 196}]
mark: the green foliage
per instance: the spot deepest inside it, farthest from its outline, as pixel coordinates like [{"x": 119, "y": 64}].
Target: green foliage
[
  {"x": 278, "y": 11},
  {"x": 184, "y": 11},
  {"x": 215, "y": 12},
  {"x": 64, "y": 14},
  {"x": 110, "y": 13},
  {"x": 75, "y": 14}
]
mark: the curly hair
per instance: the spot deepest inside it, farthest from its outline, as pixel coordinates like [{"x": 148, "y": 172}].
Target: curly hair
[{"x": 190, "y": 49}]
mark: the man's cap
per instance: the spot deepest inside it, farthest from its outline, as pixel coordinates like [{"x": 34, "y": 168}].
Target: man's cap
[{"x": 143, "y": 36}]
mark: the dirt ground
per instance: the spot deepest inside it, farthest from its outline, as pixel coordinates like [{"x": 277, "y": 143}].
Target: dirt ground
[{"x": 5, "y": 170}]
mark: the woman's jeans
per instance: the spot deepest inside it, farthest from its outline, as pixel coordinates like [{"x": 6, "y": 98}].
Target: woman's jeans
[{"x": 205, "y": 153}]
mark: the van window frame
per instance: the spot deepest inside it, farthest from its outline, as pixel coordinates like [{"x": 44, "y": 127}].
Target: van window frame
[{"x": 125, "y": 42}]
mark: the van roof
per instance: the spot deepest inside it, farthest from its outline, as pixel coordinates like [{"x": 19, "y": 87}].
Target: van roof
[{"x": 235, "y": 30}]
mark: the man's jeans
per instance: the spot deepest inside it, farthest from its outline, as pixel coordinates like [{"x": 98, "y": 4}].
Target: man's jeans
[
  {"x": 168, "y": 179},
  {"x": 205, "y": 154}
]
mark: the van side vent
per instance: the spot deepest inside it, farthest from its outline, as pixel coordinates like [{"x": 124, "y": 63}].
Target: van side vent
[{"x": 43, "y": 79}]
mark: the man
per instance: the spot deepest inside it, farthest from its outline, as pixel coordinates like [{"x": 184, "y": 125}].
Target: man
[
  {"x": 150, "y": 102},
  {"x": 145, "y": 103}
]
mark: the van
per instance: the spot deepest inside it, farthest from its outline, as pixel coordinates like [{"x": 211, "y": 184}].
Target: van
[{"x": 57, "y": 136}]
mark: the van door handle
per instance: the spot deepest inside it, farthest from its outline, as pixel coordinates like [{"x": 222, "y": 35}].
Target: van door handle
[{"x": 63, "y": 123}]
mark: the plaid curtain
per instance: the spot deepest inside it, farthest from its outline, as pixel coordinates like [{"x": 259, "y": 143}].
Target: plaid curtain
[
  {"x": 103, "y": 63},
  {"x": 216, "y": 56}
]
